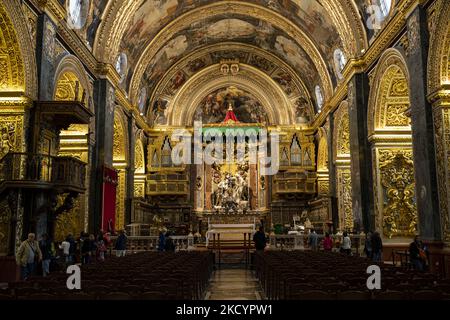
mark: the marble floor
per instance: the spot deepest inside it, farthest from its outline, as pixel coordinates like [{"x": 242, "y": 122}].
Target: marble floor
[{"x": 234, "y": 284}]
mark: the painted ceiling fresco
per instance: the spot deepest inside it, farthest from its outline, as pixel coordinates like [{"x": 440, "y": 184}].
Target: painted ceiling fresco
[
  {"x": 309, "y": 15},
  {"x": 237, "y": 29},
  {"x": 177, "y": 77},
  {"x": 246, "y": 107}
]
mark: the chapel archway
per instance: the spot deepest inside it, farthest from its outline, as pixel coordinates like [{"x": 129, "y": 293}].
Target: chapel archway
[{"x": 389, "y": 128}]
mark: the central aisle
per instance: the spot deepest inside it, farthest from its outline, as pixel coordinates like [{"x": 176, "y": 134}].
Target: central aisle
[{"x": 234, "y": 284}]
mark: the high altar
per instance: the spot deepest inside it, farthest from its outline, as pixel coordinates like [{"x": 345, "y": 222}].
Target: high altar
[{"x": 231, "y": 194}]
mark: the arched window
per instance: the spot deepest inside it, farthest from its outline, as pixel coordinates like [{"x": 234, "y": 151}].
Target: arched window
[
  {"x": 77, "y": 11},
  {"x": 121, "y": 65},
  {"x": 339, "y": 62},
  {"x": 385, "y": 7},
  {"x": 319, "y": 98}
]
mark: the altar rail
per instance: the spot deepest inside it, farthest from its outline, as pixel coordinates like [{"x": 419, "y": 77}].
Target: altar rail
[
  {"x": 300, "y": 242},
  {"x": 139, "y": 244}
]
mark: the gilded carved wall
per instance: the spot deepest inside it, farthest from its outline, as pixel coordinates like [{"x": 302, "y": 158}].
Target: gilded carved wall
[
  {"x": 397, "y": 192},
  {"x": 69, "y": 222},
  {"x": 390, "y": 134},
  {"x": 11, "y": 64},
  {"x": 341, "y": 146}
]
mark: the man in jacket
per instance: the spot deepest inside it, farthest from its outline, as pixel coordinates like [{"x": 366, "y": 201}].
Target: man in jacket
[
  {"x": 377, "y": 247},
  {"x": 28, "y": 255},
  {"x": 260, "y": 239},
  {"x": 121, "y": 244}
]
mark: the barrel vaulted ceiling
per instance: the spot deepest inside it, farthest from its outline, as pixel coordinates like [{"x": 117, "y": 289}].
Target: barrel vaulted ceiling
[{"x": 153, "y": 36}]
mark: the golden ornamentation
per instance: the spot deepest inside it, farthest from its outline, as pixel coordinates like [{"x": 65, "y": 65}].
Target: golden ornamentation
[
  {"x": 344, "y": 136},
  {"x": 396, "y": 117},
  {"x": 324, "y": 187},
  {"x": 5, "y": 225},
  {"x": 389, "y": 94},
  {"x": 344, "y": 186},
  {"x": 11, "y": 63},
  {"x": 139, "y": 190},
  {"x": 397, "y": 179},
  {"x": 439, "y": 52},
  {"x": 139, "y": 160},
  {"x": 11, "y": 134},
  {"x": 442, "y": 143},
  {"x": 69, "y": 88},
  {"x": 120, "y": 200},
  {"x": 413, "y": 33},
  {"x": 69, "y": 222},
  {"x": 119, "y": 148},
  {"x": 31, "y": 19}
]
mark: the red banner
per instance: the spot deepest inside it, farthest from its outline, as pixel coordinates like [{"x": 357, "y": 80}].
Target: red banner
[{"x": 110, "y": 179}]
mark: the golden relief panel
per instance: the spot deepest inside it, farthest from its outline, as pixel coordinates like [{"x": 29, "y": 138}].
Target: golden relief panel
[
  {"x": 399, "y": 88},
  {"x": 344, "y": 136},
  {"x": 11, "y": 130},
  {"x": 69, "y": 222},
  {"x": 118, "y": 140},
  {"x": 397, "y": 180},
  {"x": 344, "y": 177},
  {"x": 442, "y": 141},
  {"x": 324, "y": 187},
  {"x": 396, "y": 116},
  {"x": 139, "y": 164},
  {"x": 139, "y": 190},
  {"x": 11, "y": 63},
  {"x": 120, "y": 201},
  {"x": 5, "y": 226}
]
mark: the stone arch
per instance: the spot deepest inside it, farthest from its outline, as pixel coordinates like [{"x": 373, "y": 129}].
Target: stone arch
[
  {"x": 72, "y": 66},
  {"x": 389, "y": 95},
  {"x": 439, "y": 52},
  {"x": 243, "y": 8},
  {"x": 389, "y": 130},
  {"x": 181, "y": 110},
  {"x": 20, "y": 66}
]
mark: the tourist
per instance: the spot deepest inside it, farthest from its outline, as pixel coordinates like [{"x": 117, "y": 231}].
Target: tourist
[
  {"x": 161, "y": 241},
  {"x": 377, "y": 247},
  {"x": 28, "y": 255},
  {"x": 72, "y": 248},
  {"x": 101, "y": 248},
  {"x": 417, "y": 254},
  {"x": 92, "y": 246},
  {"x": 86, "y": 248},
  {"x": 312, "y": 240},
  {"x": 346, "y": 244},
  {"x": 368, "y": 245},
  {"x": 121, "y": 244},
  {"x": 65, "y": 247},
  {"x": 46, "y": 249},
  {"x": 260, "y": 240},
  {"x": 327, "y": 242}
]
